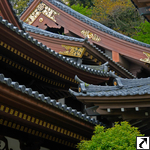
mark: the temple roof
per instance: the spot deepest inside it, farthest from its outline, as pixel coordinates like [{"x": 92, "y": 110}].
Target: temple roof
[
  {"x": 41, "y": 97},
  {"x": 91, "y": 22},
  {"x": 33, "y": 29},
  {"x": 52, "y": 52},
  {"x": 124, "y": 87},
  {"x": 30, "y": 28}
]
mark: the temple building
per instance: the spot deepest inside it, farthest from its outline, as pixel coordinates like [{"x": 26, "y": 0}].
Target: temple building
[{"x": 62, "y": 73}]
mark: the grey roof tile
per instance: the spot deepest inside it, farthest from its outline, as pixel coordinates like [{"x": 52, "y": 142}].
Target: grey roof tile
[
  {"x": 93, "y": 23},
  {"x": 52, "y": 52},
  {"x": 42, "y": 98},
  {"x": 33, "y": 29},
  {"x": 54, "y": 35},
  {"x": 129, "y": 87}
]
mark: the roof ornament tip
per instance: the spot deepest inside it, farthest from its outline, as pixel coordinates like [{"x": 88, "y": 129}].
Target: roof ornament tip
[{"x": 78, "y": 80}]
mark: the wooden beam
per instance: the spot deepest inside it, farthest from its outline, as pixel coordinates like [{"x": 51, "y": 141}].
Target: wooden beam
[{"x": 143, "y": 1}]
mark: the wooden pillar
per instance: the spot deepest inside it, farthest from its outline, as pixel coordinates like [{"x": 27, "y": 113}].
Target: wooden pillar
[{"x": 115, "y": 56}]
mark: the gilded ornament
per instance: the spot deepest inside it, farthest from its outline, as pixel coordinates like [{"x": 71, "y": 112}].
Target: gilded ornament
[
  {"x": 90, "y": 35},
  {"x": 41, "y": 9},
  {"x": 146, "y": 60},
  {"x": 41, "y": 20},
  {"x": 73, "y": 51}
]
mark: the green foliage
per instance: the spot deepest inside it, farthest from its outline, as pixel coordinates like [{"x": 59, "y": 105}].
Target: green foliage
[
  {"x": 83, "y": 10},
  {"x": 85, "y": 3},
  {"x": 120, "y": 137},
  {"x": 117, "y": 14},
  {"x": 144, "y": 33},
  {"x": 20, "y": 5}
]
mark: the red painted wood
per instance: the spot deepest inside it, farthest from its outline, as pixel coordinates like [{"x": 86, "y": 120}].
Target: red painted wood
[
  {"x": 37, "y": 53},
  {"x": 115, "y": 56},
  {"x": 107, "y": 41}
]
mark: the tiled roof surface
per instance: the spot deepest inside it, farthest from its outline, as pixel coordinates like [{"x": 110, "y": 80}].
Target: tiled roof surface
[
  {"x": 47, "y": 100},
  {"x": 33, "y": 29},
  {"x": 110, "y": 59},
  {"x": 93, "y": 23},
  {"x": 52, "y": 52},
  {"x": 125, "y": 87}
]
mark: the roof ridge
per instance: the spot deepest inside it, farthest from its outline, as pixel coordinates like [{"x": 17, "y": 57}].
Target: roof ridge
[
  {"x": 47, "y": 100},
  {"x": 55, "y": 35},
  {"x": 96, "y": 24},
  {"x": 92, "y": 22},
  {"x": 52, "y": 52},
  {"x": 50, "y": 34},
  {"x": 124, "y": 87},
  {"x": 105, "y": 55}
]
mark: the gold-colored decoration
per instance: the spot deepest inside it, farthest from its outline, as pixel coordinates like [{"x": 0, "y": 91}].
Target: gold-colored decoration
[
  {"x": 115, "y": 83},
  {"x": 90, "y": 35},
  {"x": 31, "y": 60},
  {"x": 41, "y": 9},
  {"x": 41, "y": 20},
  {"x": 2, "y": 107},
  {"x": 6, "y": 109},
  {"x": 146, "y": 60},
  {"x": 79, "y": 90},
  {"x": 73, "y": 51}
]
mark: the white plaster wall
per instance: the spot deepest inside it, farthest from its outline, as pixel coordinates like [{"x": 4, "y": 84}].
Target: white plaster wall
[
  {"x": 13, "y": 143},
  {"x": 62, "y": 100}
]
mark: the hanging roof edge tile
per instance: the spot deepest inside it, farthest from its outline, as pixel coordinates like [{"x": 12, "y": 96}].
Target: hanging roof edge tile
[{"x": 124, "y": 87}]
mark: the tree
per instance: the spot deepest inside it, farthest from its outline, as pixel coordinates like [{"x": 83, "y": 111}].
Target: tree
[
  {"x": 83, "y": 10},
  {"x": 120, "y": 137},
  {"x": 144, "y": 33},
  {"x": 85, "y": 3},
  {"x": 119, "y": 15},
  {"x": 19, "y": 5}
]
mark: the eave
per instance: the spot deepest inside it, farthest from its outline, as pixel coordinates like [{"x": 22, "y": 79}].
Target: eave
[
  {"x": 110, "y": 40},
  {"x": 24, "y": 44},
  {"x": 55, "y": 41},
  {"x": 30, "y": 112}
]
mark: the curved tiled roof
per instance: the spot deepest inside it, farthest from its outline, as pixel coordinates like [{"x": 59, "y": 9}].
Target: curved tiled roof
[
  {"x": 110, "y": 59},
  {"x": 125, "y": 87},
  {"x": 47, "y": 100},
  {"x": 52, "y": 52},
  {"x": 93, "y": 23},
  {"x": 50, "y": 34},
  {"x": 33, "y": 29}
]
